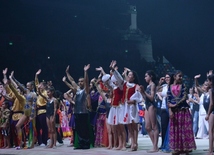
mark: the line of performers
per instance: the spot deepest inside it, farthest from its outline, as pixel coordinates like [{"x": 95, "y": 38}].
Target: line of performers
[{"x": 110, "y": 100}]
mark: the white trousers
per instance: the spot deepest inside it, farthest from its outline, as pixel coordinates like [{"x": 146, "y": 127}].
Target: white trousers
[{"x": 202, "y": 123}]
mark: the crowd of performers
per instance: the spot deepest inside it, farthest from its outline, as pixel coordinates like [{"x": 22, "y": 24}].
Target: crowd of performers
[{"x": 105, "y": 111}]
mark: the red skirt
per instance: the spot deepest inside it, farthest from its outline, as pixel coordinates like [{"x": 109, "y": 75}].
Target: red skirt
[{"x": 181, "y": 137}]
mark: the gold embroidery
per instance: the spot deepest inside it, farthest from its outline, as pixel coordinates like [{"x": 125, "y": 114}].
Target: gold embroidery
[
  {"x": 16, "y": 116},
  {"x": 41, "y": 111}
]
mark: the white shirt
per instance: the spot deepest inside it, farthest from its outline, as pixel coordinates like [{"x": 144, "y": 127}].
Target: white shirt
[{"x": 164, "y": 95}]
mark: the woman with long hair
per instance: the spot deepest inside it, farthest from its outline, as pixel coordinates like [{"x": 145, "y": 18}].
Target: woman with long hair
[
  {"x": 164, "y": 83},
  {"x": 181, "y": 137},
  {"x": 151, "y": 109},
  {"x": 131, "y": 98}
]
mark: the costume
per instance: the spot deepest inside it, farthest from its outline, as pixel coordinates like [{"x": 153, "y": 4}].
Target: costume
[
  {"x": 181, "y": 138},
  {"x": 164, "y": 120},
  {"x": 16, "y": 112},
  {"x": 148, "y": 102},
  {"x": 202, "y": 123},
  {"x": 5, "y": 122},
  {"x": 128, "y": 113},
  {"x": 113, "y": 117},
  {"x": 71, "y": 122},
  {"x": 1, "y": 136},
  {"x": 41, "y": 124},
  {"x": 101, "y": 118},
  {"x": 64, "y": 125},
  {"x": 81, "y": 118},
  {"x": 131, "y": 110},
  {"x": 30, "y": 112}
]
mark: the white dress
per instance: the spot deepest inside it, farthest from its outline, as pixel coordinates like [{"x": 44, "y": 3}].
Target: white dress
[
  {"x": 131, "y": 111},
  {"x": 202, "y": 123}
]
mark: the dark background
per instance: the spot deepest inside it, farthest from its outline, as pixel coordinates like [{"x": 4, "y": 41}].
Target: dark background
[{"x": 78, "y": 32}]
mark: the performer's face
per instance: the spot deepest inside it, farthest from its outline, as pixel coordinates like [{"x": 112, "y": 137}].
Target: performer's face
[
  {"x": 130, "y": 77},
  {"x": 29, "y": 86},
  {"x": 178, "y": 78},
  {"x": 81, "y": 83},
  {"x": 147, "y": 78},
  {"x": 49, "y": 93},
  {"x": 191, "y": 91},
  {"x": 167, "y": 79},
  {"x": 206, "y": 86}
]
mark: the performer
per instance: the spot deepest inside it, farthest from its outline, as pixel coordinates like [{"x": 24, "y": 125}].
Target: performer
[
  {"x": 17, "y": 110},
  {"x": 41, "y": 124},
  {"x": 2, "y": 99},
  {"x": 204, "y": 99},
  {"x": 5, "y": 123},
  {"x": 164, "y": 85},
  {"x": 51, "y": 109},
  {"x": 69, "y": 101},
  {"x": 210, "y": 114},
  {"x": 29, "y": 111},
  {"x": 117, "y": 129},
  {"x": 181, "y": 137},
  {"x": 112, "y": 115},
  {"x": 151, "y": 109},
  {"x": 131, "y": 98},
  {"x": 82, "y": 104},
  {"x": 101, "y": 113}
]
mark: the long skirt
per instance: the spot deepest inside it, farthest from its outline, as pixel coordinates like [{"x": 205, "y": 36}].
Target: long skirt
[
  {"x": 99, "y": 130},
  {"x": 181, "y": 137},
  {"x": 65, "y": 125}
]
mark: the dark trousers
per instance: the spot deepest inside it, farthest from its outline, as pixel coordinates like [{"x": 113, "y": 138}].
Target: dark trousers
[
  {"x": 41, "y": 124},
  {"x": 59, "y": 135},
  {"x": 13, "y": 133},
  {"x": 82, "y": 129},
  {"x": 164, "y": 123}
]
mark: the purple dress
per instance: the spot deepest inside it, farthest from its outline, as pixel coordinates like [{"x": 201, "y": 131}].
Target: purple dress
[
  {"x": 71, "y": 121},
  {"x": 181, "y": 137}
]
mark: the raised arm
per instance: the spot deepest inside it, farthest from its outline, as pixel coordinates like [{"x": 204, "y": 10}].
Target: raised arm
[
  {"x": 117, "y": 75},
  {"x": 70, "y": 78},
  {"x": 101, "y": 70},
  {"x": 37, "y": 79},
  {"x": 15, "y": 91},
  {"x": 209, "y": 73},
  {"x": 5, "y": 73},
  {"x": 21, "y": 86},
  {"x": 125, "y": 73},
  {"x": 96, "y": 83},
  {"x": 73, "y": 89},
  {"x": 197, "y": 84},
  {"x": 5, "y": 77},
  {"x": 86, "y": 81},
  {"x": 159, "y": 86},
  {"x": 12, "y": 81}
]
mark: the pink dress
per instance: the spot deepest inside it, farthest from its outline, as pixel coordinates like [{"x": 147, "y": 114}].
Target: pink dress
[{"x": 64, "y": 125}]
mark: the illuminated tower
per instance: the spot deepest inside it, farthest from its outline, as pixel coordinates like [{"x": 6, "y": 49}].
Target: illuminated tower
[{"x": 135, "y": 38}]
